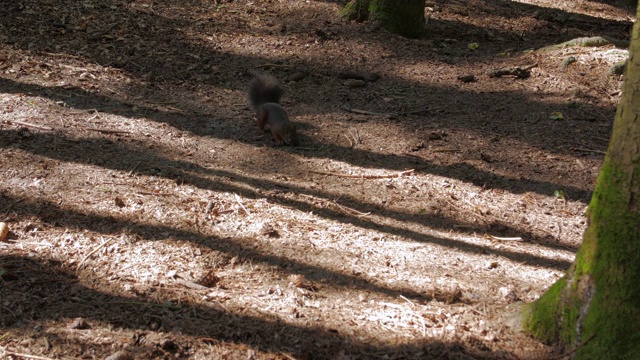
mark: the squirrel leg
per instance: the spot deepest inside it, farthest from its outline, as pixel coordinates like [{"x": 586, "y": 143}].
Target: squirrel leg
[
  {"x": 278, "y": 138},
  {"x": 263, "y": 116}
]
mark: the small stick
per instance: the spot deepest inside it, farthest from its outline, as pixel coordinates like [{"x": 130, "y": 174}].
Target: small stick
[
  {"x": 93, "y": 252},
  {"x": 153, "y": 194},
  {"x": 445, "y": 150},
  {"x": 288, "y": 356},
  {"x": 407, "y": 300},
  {"x": 134, "y": 168},
  {"x": 341, "y": 207},
  {"x": 517, "y": 238},
  {"x": 415, "y": 111},
  {"x": 35, "y": 126},
  {"x": 95, "y": 115},
  {"x": 236, "y": 139},
  {"x": 106, "y": 131},
  {"x": 403, "y": 173},
  {"x": 11, "y": 353},
  {"x": 274, "y": 65},
  {"x": 191, "y": 284},
  {"x": 242, "y": 206},
  {"x": 591, "y": 151},
  {"x": 348, "y": 209},
  {"x": 139, "y": 303},
  {"x": 574, "y": 350},
  {"x": 362, "y": 112},
  {"x": 365, "y": 112}
]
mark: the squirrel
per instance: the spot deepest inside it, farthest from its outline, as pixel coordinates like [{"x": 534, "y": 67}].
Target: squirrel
[{"x": 264, "y": 95}]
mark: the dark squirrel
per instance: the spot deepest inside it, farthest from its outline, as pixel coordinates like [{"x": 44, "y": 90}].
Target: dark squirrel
[{"x": 264, "y": 94}]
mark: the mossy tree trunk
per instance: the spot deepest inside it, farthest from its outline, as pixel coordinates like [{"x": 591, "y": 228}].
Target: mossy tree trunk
[
  {"x": 403, "y": 17},
  {"x": 595, "y": 308}
]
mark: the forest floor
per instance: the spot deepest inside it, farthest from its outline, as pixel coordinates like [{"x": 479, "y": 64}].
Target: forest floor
[{"x": 149, "y": 219}]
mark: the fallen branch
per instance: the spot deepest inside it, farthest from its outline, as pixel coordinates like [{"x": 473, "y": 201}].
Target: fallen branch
[
  {"x": 517, "y": 238},
  {"x": 403, "y": 173},
  {"x": 93, "y": 252},
  {"x": 517, "y": 71},
  {"x": 235, "y": 139},
  {"x": 154, "y": 193},
  {"x": 591, "y": 151},
  {"x": 35, "y": 126},
  {"x": 341, "y": 207},
  {"x": 271, "y": 65},
  {"x": 168, "y": 305},
  {"x": 445, "y": 150},
  {"x": 191, "y": 284},
  {"x": 392, "y": 114},
  {"x": 107, "y": 131},
  {"x": 562, "y": 356},
  {"x": 350, "y": 210},
  {"x": 242, "y": 206},
  {"x": 134, "y": 168},
  {"x": 27, "y": 356}
]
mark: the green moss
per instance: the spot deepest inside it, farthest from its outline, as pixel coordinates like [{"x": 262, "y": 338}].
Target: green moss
[
  {"x": 614, "y": 314},
  {"x": 541, "y": 320},
  {"x": 599, "y": 298},
  {"x": 357, "y": 10},
  {"x": 405, "y": 17},
  {"x": 604, "y": 278}
]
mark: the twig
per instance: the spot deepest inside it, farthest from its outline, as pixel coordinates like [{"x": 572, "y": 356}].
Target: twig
[
  {"x": 95, "y": 115},
  {"x": 236, "y": 139},
  {"x": 274, "y": 66},
  {"x": 403, "y": 173},
  {"x": 106, "y": 131},
  {"x": 140, "y": 303},
  {"x": 348, "y": 209},
  {"x": 407, "y": 300},
  {"x": 27, "y": 356},
  {"x": 191, "y": 284},
  {"x": 35, "y": 126},
  {"x": 591, "y": 151},
  {"x": 30, "y": 243},
  {"x": 417, "y": 111},
  {"x": 355, "y": 137},
  {"x": 242, "y": 206},
  {"x": 341, "y": 207},
  {"x": 574, "y": 350},
  {"x": 288, "y": 356},
  {"x": 153, "y": 194},
  {"x": 445, "y": 150},
  {"x": 362, "y": 112},
  {"x": 134, "y": 168},
  {"x": 517, "y": 238},
  {"x": 365, "y": 112},
  {"x": 93, "y": 252}
]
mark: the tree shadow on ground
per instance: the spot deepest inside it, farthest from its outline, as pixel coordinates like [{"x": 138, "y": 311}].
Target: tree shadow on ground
[
  {"x": 42, "y": 290},
  {"x": 155, "y": 53},
  {"x": 364, "y": 158},
  {"x": 121, "y": 157}
]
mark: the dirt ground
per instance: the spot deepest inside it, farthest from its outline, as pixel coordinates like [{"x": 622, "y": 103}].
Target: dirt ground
[{"x": 149, "y": 219}]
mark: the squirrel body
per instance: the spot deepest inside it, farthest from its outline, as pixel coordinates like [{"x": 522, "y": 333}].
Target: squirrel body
[{"x": 264, "y": 95}]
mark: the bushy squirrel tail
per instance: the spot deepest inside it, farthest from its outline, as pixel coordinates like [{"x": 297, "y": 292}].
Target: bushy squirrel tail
[{"x": 264, "y": 89}]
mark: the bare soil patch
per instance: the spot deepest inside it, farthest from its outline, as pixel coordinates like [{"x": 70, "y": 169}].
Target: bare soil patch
[{"x": 149, "y": 219}]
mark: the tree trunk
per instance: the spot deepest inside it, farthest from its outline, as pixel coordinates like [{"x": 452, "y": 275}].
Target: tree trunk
[
  {"x": 403, "y": 17},
  {"x": 595, "y": 308}
]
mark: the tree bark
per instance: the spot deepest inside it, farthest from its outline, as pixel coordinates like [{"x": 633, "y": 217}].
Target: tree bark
[
  {"x": 595, "y": 308},
  {"x": 403, "y": 17}
]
